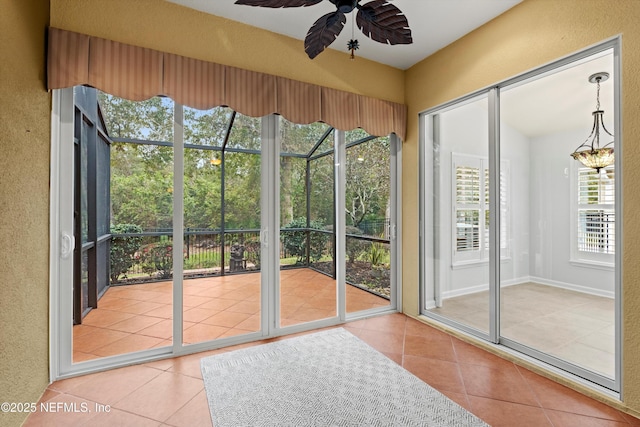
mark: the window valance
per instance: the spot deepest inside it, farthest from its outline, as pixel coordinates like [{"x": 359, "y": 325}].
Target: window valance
[{"x": 138, "y": 73}]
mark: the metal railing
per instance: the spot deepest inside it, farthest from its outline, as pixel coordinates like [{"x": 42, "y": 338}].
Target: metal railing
[
  {"x": 212, "y": 253},
  {"x": 205, "y": 252}
]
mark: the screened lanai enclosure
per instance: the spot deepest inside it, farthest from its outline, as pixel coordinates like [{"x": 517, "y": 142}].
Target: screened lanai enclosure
[
  {"x": 126, "y": 264},
  {"x": 222, "y": 197}
]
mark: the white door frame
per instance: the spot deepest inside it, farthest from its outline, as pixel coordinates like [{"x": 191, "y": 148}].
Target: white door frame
[{"x": 61, "y": 245}]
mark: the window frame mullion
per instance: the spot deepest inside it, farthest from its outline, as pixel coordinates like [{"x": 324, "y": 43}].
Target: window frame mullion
[{"x": 494, "y": 214}]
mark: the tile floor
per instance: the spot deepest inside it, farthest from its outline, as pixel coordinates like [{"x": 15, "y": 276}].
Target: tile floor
[
  {"x": 171, "y": 392},
  {"x": 574, "y": 326},
  {"x": 139, "y": 317}
]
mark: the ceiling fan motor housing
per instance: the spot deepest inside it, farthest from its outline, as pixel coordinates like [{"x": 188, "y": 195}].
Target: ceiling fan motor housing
[{"x": 345, "y": 6}]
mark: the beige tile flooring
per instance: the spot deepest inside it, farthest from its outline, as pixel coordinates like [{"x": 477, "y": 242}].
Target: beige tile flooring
[
  {"x": 139, "y": 317},
  {"x": 171, "y": 392},
  {"x": 574, "y": 326}
]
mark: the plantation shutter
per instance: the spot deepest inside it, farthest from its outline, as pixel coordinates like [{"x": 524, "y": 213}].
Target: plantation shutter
[
  {"x": 596, "y": 212},
  {"x": 471, "y": 208},
  {"x": 467, "y": 204},
  {"x": 504, "y": 207},
  {"x": 485, "y": 246}
]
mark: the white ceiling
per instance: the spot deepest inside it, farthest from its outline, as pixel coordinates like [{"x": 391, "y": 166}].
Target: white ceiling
[
  {"x": 434, "y": 24},
  {"x": 560, "y": 101}
]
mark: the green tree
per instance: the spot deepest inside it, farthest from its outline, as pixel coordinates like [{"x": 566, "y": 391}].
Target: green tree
[
  {"x": 322, "y": 189},
  {"x": 368, "y": 180},
  {"x": 142, "y": 174}
]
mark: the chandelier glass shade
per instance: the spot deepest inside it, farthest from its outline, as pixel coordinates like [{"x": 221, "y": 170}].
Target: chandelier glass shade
[{"x": 591, "y": 153}]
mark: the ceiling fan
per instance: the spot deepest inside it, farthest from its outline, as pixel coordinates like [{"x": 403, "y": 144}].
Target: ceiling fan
[{"x": 378, "y": 19}]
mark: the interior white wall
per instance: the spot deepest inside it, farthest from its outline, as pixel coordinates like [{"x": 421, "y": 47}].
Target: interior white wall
[
  {"x": 464, "y": 130},
  {"x": 551, "y": 173},
  {"x": 540, "y": 207},
  {"x": 515, "y": 148}
]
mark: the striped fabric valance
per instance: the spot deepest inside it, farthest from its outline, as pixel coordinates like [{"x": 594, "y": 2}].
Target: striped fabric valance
[{"x": 138, "y": 73}]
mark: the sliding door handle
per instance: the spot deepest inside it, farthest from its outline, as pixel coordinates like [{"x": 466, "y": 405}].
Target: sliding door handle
[{"x": 67, "y": 245}]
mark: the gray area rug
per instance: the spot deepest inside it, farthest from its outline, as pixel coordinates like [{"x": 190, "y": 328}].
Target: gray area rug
[{"x": 329, "y": 378}]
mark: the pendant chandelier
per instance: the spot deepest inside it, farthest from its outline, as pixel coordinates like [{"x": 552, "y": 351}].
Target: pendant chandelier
[{"x": 590, "y": 153}]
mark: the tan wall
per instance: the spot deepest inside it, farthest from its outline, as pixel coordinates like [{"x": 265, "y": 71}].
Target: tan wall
[
  {"x": 531, "y": 34},
  {"x": 171, "y": 28},
  {"x": 25, "y": 111}
]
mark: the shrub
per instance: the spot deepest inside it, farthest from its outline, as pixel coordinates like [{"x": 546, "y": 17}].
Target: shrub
[
  {"x": 377, "y": 253},
  {"x": 295, "y": 243},
  {"x": 252, "y": 247},
  {"x": 158, "y": 258},
  {"x": 123, "y": 249},
  {"x": 355, "y": 247}
]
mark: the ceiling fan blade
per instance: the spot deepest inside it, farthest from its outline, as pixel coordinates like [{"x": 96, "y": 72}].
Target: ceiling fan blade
[
  {"x": 383, "y": 22},
  {"x": 323, "y": 32},
  {"x": 278, "y": 3}
]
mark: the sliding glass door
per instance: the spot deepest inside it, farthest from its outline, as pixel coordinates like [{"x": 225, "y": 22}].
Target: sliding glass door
[
  {"x": 458, "y": 192},
  {"x": 370, "y": 222},
  {"x": 307, "y": 281},
  {"x": 196, "y": 229},
  {"x": 558, "y": 294},
  {"x": 222, "y": 192},
  {"x": 521, "y": 241}
]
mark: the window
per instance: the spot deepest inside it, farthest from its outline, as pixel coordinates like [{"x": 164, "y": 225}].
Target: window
[
  {"x": 471, "y": 208},
  {"x": 596, "y": 211},
  {"x": 468, "y": 206}
]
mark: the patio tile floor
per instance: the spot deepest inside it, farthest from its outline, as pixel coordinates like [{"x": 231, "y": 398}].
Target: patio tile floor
[
  {"x": 138, "y": 317},
  {"x": 170, "y": 392}
]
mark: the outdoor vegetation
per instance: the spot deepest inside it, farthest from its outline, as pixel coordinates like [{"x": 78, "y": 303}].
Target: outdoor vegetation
[{"x": 222, "y": 193}]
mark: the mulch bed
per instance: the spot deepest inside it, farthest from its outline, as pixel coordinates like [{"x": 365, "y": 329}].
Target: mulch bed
[{"x": 361, "y": 274}]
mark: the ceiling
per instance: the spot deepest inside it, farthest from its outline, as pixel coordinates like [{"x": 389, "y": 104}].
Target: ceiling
[
  {"x": 434, "y": 24},
  {"x": 561, "y": 100}
]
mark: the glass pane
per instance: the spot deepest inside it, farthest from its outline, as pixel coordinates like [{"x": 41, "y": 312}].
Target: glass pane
[
  {"x": 206, "y": 127},
  {"x": 368, "y": 207},
  {"x": 326, "y": 146},
  {"x": 457, "y": 268},
  {"x": 84, "y": 281},
  {"x": 142, "y": 186},
  {"x": 84, "y": 183},
  {"x": 134, "y": 184},
  {"x": 222, "y": 266},
  {"x": 293, "y": 191},
  {"x": 150, "y": 120},
  {"x": 468, "y": 229},
  {"x": 355, "y": 135},
  {"x": 242, "y": 191},
  {"x": 557, "y": 273},
  {"x": 245, "y": 133},
  {"x": 321, "y": 187},
  {"x": 103, "y": 166},
  {"x": 202, "y": 214},
  {"x": 300, "y": 139},
  {"x": 307, "y": 284}
]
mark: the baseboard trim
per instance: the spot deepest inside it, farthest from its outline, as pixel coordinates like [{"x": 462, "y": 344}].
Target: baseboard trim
[
  {"x": 528, "y": 279},
  {"x": 573, "y": 287}
]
